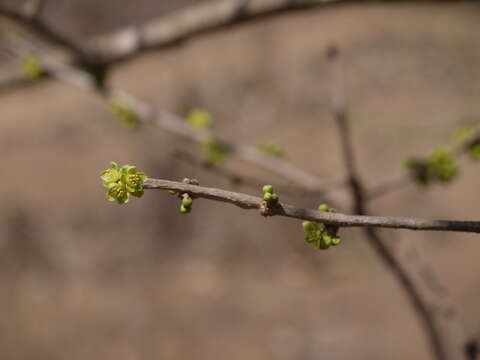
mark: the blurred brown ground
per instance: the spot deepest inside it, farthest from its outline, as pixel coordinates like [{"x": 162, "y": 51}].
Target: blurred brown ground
[{"x": 82, "y": 278}]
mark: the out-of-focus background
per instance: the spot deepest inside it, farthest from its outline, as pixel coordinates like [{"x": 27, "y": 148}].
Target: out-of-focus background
[{"x": 83, "y": 278}]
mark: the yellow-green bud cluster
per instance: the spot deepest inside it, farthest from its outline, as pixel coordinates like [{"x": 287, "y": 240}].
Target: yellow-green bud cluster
[
  {"x": 268, "y": 195},
  {"x": 439, "y": 166},
  {"x": 319, "y": 235},
  {"x": 122, "y": 182}
]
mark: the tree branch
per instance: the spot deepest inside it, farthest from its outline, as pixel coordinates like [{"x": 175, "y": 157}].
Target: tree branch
[
  {"x": 177, "y": 126},
  {"x": 29, "y": 17},
  {"x": 405, "y": 178},
  {"x": 193, "y": 20},
  {"x": 245, "y": 201}
]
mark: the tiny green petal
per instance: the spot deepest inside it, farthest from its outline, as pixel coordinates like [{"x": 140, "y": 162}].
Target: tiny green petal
[
  {"x": 110, "y": 175},
  {"x": 274, "y": 198}
]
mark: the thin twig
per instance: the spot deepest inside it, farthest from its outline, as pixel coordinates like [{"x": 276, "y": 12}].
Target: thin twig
[
  {"x": 401, "y": 180},
  {"x": 245, "y": 201},
  {"x": 440, "y": 320},
  {"x": 29, "y": 17},
  {"x": 186, "y": 23}
]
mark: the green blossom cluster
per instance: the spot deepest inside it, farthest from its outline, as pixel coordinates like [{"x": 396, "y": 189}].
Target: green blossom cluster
[
  {"x": 268, "y": 195},
  {"x": 127, "y": 118},
  {"x": 122, "y": 182},
  {"x": 440, "y": 166},
  {"x": 31, "y": 66},
  {"x": 200, "y": 119},
  {"x": 319, "y": 235},
  {"x": 271, "y": 148}
]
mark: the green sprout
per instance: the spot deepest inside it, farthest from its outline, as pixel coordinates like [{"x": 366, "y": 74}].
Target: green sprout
[
  {"x": 31, "y": 66},
  {"x": 122, "y": 182},
  {"x": 200, "y": 119},
  {"x": 126, "y": 116},
  {"x": 271, "y": 148},
  {"x": 319, "y": 235},
  {"x": 215, "y": 151},
  {"x": 440, "y": 166}
]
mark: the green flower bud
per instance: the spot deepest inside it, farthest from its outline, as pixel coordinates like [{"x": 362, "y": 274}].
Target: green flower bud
[
  {"x": 267, "y": 189},
  {"x": 274, "y": 198},
  {"x": 324, "y": 207},
  {"x": 185, "y": 210},
  {"x": 187, "y": 202},
  {"x": 268, "y": 197},
  {"x": 325, "y": 242}
]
